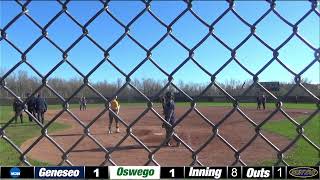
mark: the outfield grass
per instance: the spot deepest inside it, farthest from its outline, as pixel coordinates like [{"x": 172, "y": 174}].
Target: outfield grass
[
  {"x": 302, "y": 153},
  {"x": 19, "y": 133}
]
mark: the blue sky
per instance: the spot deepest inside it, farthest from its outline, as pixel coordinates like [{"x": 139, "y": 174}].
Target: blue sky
[{"x": 169, "y": 54}]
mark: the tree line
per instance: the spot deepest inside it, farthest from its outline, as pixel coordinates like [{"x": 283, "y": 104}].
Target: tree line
[{"x": 21, "y": 83}]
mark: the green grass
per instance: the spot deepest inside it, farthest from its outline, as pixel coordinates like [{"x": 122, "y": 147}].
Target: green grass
[
  {"x": 19, "y": 133},
  {"x": 302, "y": 153}
]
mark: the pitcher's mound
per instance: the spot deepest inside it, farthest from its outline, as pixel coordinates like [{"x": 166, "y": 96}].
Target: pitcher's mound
[{"x": 158, "y": 134}]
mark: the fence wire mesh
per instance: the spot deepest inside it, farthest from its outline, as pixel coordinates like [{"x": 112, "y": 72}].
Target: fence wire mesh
[{"x": 150, "y": 100}]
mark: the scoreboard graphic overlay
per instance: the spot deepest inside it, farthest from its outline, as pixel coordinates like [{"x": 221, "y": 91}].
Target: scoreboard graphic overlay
[{"x": 157, "y": 172}]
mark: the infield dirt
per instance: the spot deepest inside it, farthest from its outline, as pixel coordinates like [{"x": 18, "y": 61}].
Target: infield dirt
[{"x": 193, "y": 130}]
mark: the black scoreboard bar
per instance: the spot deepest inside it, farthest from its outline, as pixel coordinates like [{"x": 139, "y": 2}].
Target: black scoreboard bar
[
  {"x": 206, "y": 172},
  {"x": 257, "y": 172},
  {"x": 17, "y": 172},
  {"x": 171, "y": 172},
  {"x": 96, "y": 172},
  {"x": 235, "y": 172},
  {"x": 156, "y": 172}
]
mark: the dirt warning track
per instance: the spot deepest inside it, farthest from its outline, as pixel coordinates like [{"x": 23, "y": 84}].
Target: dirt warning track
[{"x": 193, "y": 130}]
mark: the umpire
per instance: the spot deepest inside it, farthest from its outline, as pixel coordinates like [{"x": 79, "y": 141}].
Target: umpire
[
  {"x": 41, "y": 108},
  {"x": 18, "y": 108},
  {"x": 31, "y": 103},
  {"x": 169, "y": 116}
]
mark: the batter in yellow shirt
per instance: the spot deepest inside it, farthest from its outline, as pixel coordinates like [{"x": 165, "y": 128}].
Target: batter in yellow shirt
[
  {"x": 115, "y": 105},
  {"x": 115, "y": 108}
]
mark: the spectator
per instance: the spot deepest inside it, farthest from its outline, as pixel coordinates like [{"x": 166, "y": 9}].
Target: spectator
[
  {"x": 41, "y": 108},
  {"x": 18, "y": 108},
  {"x": 31, "y": 103}
]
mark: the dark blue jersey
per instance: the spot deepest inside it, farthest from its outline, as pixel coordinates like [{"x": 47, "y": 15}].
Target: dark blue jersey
[
  {"x": 31, "y": 103},
  {"x": 41, "y": 104},
  {"x": 17, "y": 106},
  {"x": 169, "y": 114}
]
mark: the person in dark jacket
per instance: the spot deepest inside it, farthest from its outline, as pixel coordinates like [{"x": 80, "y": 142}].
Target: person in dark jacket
[
  {"x": 258, "y": 102},
  {"x": 41, "y": 108},
  {"x": 264, "y": 101},
  {"x": 18, "y": 108},
  {"x": 31, "y": 103},
  {"x": 169, "y": 116},
  {"x": 84, "y": 103}
]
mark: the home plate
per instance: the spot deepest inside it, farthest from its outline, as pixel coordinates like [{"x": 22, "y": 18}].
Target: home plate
[{"x": 157, "y": 134}]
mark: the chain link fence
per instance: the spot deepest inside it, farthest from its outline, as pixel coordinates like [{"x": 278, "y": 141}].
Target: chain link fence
[{"x": 150, "y": 100}]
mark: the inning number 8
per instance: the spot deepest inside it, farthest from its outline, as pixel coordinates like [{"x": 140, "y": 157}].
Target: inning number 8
[{"x": 234, "y": 172}]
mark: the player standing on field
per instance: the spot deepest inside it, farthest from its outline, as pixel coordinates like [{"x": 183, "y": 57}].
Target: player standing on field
[
  {"x": 81, "y": 103},
  {"x": 84, "y": 103},
  {"x": 258, "y": 102},
  {"x": 169, "y": 116},
  {"x": 264, "y": 101},
  {"x": 115, "y": 107}
]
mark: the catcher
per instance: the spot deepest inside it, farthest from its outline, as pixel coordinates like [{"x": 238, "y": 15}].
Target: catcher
[
  {"x": 115, "y": 107},
  {"x": 168, "y": 110}
]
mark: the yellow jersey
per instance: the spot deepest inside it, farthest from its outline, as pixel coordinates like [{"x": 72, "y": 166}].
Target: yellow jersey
[{"x": 115, "y": 105}]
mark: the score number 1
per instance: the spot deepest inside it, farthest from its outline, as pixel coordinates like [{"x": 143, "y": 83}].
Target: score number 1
[
  {"x": 279, "y": 172},
  {"x": 96, "y": 172},
  {"x": 172, "y": 172}
]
